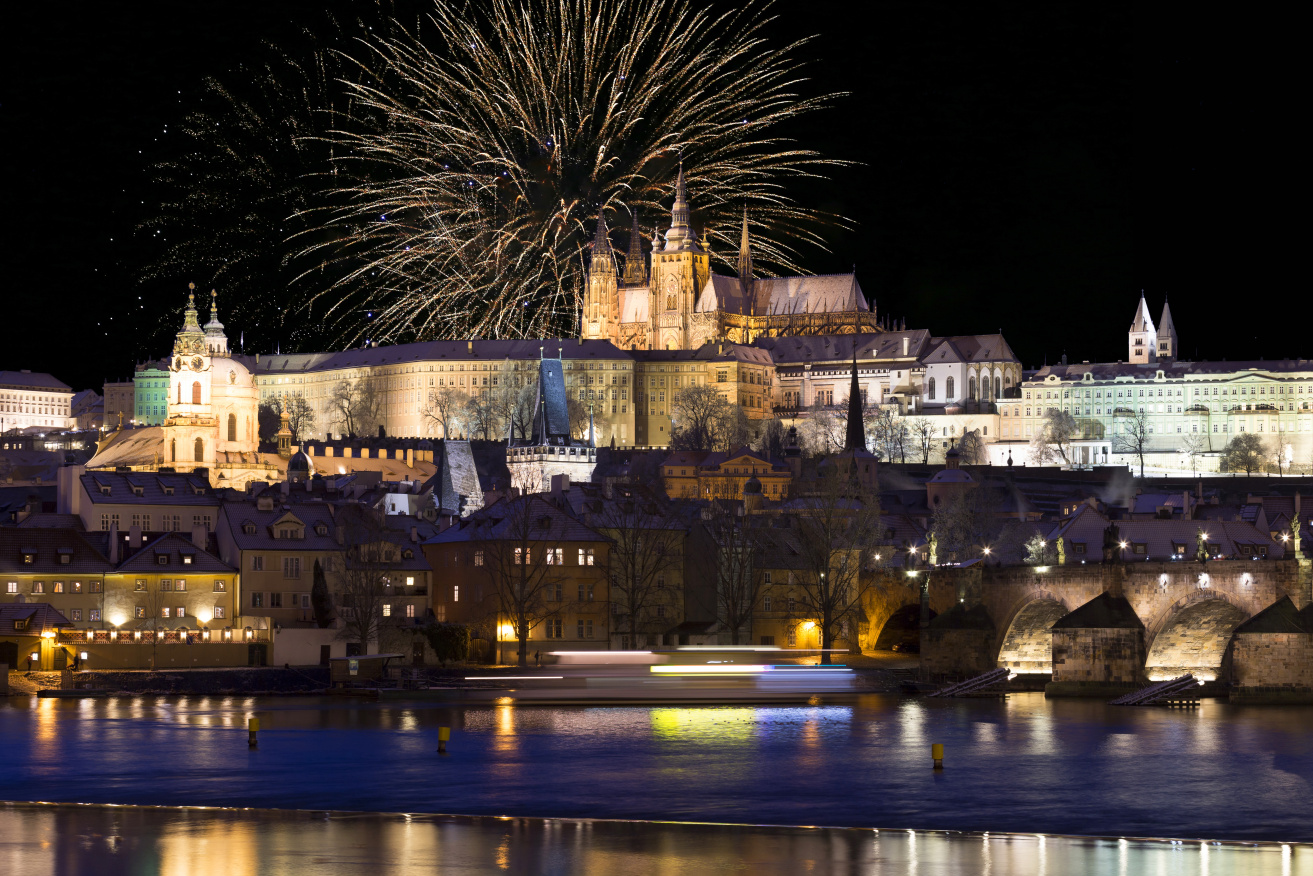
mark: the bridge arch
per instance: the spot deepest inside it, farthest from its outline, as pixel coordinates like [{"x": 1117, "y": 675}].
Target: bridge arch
[
  {"x": 902, "y": 626},
  {"x": 1027, "y": 643},
  {"x": 1194, "y": 635}
]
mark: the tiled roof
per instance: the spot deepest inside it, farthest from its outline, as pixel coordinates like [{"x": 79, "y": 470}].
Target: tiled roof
[
  {"x": 48, "y": 547},
  {"x": 822, "y": 293},
  {"x": 40, "y": 616},
  {"x": 236, "y": 515},
  {"x": 502, "y": 519},
  {"x": 401, "y": 354},
  {"x": 1175, "y": 370},
  {"x": 154, "y": 487},
  {"x": 180, "y": 557},
  {"x": 39, "y": 381},
  {"x": 839, "y": 348},
  {"x": 1162, "y": 537}
]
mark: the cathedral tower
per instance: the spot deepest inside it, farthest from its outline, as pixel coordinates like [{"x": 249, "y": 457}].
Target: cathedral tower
[
  {"x": 602, "y": 301},
  {"x": 745, "y": 261},
  {"x": 635, "y": 270},
  {"x": 679, "y": 271}
]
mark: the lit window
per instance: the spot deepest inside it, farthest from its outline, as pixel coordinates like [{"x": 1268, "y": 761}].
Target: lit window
[
  {"x": 218, "y": 612},
  {"x": 410, "y": 609},
  {"x": 387, "y": 609},
  {"x": 455, "y": 593}
]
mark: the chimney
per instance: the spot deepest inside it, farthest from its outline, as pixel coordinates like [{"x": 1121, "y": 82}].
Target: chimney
[
  {"x": 134, "y": 536},
  {"x": 470, "y": 347},
  {"x": 414, "y": 535},
  {"x": 907, "y": 345},
  {"x": 113, "y": 544},
  {"x": 560, "y": 483},
  {"x": 1185, "y": 506},
  {"x": 199, "y": 536}
]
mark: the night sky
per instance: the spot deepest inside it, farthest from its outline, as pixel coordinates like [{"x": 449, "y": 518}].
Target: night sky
[{"x": 1025, "y": 166}]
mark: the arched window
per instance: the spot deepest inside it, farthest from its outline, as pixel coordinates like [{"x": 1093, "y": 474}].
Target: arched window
[
  {"x": 173, "y": 446},
  {"x": 971, "y": 388},
  {"x": 948, "y": 389},
  {"x": 998, "y": 387},
  {"x": 196, "y": 392},
  {"x": 179, "y": 393},
  {"x": 930, "y": 389},
  {"x": 200, "y": 450},
  {"x": 232, "y": 427},
  {"x": 670, "y": 302}
]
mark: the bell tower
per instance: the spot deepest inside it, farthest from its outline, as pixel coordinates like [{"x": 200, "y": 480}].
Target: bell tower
[
  {"x": 1143, "y": 339},
  {"x": 679, "y": 271},
  {"x": 189, "y": 371},
  {"x": 601, "y": 315}
]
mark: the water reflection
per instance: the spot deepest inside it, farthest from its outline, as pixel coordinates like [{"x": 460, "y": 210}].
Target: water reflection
[{"x": 1015, "y": 764}]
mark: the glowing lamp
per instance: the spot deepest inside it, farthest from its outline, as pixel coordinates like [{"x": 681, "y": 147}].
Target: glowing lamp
[
  {"x": 48, "y": 634},
  {"x": 506, "y": 631},
  {"x": 809, "y": 625},
  {"x": 986, "y": 551},
  {"x": 36, "y": 655},
  {"x": 83, "y": 655}
]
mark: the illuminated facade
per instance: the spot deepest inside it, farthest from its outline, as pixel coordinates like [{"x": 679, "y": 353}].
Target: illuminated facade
[
  {"x": 29, "y": 400},
  {"x": 679, "y": 304}
]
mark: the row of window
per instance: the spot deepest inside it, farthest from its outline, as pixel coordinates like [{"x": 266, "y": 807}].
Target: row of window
[
  {"x": 178, "y": 584},
  {"x": 550, "y": 556},
  {"x": 554, "y": 629},
  {"x": 167, "y": 611},
  {"x": 58, "y": 587},
  {"x": 1198, "y": 392}
]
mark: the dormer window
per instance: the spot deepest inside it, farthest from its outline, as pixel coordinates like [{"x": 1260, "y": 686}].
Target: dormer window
[
  {"x": 321, "y": 529},
  {"x": 65, "y": 556},
  {"x": 168, "y": 490},
  {"x": 248, "y": 529},
  {"x": 186, "y": 559},
  {"x": 162, "y": 559},
  {"x": 408, "y": 554},
  {"x": 104, "y": 489},
  {"x": 138, "y": 490},
  {"x": 29, "y": 558}
]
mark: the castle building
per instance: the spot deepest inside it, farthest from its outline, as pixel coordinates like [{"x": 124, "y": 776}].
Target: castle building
[
  {"x": 39, "y": 400},
  {"x": 1191, "y": 409},
  {"x": 679, "y": 304}
]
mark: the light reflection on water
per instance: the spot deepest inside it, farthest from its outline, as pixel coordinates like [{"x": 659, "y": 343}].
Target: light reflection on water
[
  {"x": 41, "y": 839},
  {"x": 1022, "y": 764}
]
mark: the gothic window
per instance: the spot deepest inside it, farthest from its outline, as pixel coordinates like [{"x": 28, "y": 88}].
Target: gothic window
[
  {"x": 232, "y": 427},
  {"x": 948, "y": 389},
  {"x": 196, "y": 392},
  {"x": 930, "y": 389},
  {"x": 971, "y": 388},
  {"x": 200, "y": 450},
  {"x": 998, "y": 387}
]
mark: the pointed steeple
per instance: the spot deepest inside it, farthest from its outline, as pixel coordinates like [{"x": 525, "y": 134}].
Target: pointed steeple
[
  {"x": 856, "y": 436},
  {"x": 745, "y": 257},
  {"x": 635, "y": 273},
  {"x": 1143, "y": 322},
  {"x": 602, "y": 245},
  {"x": 1168, "y": 345},
  {"x": 215, "y": 339},
  {"x": 1142, "y": 338}
]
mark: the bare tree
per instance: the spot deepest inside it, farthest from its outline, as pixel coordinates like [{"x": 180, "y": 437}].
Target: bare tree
[
  {"x": 480, "y": 415},
  {"x": 300, "y": 417},
  {"x": 522, "y": 413},
  {"x": 269, "y": 419},
  {"x": 443, "y": 409},
  {"x": 646, "y": 553},
  {"x": 577, "y": 411},
  {"x": 1244, "y": 452},
  {"x": 921, "y": 433},
  {"x": 971, "y": 448},
  {"x": 1053, "y": 438},
  {"x": 732, "y": 544},
  {"x": 519, "y": 544},
  {"x": 1132, "y": 435},
  {"x": 770, "y": 440},
  {"x": 355, "y": 407},
  {"x": 1281, "y": 452},
  {"x": 892, "y": 435},
  {"x": 698, "y": 411},
  {"x": 361, "y": 568},
  {"x": 1193, "y": 446},
  {"x": 830, "y": 534}
]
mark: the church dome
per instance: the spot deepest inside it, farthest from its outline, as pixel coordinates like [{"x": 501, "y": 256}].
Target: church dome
[{"x": 300, "y": 467}]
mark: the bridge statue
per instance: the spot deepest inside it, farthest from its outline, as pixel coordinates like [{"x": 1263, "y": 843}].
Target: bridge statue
[
  {"x": 932, "y": 541},
  {"x": 1294, "y": 533},
  {"x": 1062, "y": 551},
  {"x": 1201, "y": 545},
  {"x": 1111, "y": 543}
]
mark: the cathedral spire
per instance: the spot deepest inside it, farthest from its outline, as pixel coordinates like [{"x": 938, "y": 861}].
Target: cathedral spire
[
  {"x": 856, "y": 436},
  {"x": 602, "y": 258},
  {"x": 745, "y": 257},
  {"x": 635, "y": 275}
]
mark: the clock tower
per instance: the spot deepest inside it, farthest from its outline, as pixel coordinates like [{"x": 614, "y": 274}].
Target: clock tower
[{"x": 679, "y": 271}]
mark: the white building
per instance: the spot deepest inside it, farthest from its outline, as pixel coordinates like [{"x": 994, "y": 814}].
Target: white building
[{"x": 34, "y": 400}]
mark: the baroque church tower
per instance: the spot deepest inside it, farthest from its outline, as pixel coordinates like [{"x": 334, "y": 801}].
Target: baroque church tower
[{"x": 679, "y": 271}]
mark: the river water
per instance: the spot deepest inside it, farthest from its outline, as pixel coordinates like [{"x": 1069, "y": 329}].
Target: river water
[{"x": 1020, "y": 765}]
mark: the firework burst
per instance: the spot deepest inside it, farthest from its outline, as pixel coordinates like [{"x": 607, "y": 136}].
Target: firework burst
[{"x": 477, "y": 154}]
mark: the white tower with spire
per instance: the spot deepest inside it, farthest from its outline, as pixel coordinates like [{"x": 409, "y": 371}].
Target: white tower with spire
[
  {"x": 1143, "y": 340},
  {"x": 679, "y": 271},
  {"x": 1168, "y": 345}
]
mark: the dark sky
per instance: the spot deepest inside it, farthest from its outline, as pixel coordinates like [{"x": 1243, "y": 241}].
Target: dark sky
[{"x": 1023, "y": 166}]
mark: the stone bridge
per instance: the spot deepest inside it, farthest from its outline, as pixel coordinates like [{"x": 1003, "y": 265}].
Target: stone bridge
[{"x": 1002, "y": 616}]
